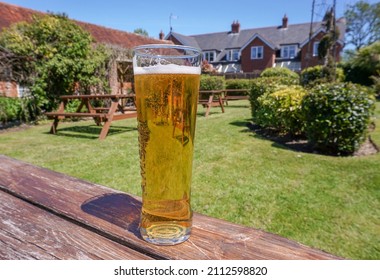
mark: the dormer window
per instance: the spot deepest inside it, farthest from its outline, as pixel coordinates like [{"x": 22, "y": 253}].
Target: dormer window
[
  {"x": 209, "y": 56},
  {"x": 289, "y": 51},
  {"x": 232, "y": 55}
]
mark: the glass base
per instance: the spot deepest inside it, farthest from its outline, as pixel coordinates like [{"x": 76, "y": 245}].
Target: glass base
[{"x": 165, "y": 234}]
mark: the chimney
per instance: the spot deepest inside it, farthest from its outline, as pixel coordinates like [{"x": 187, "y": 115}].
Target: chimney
[
  {"x": 285, "y": 22},
  {"x": 235, "y": 27},
  {"x": 161, "y": 36}
]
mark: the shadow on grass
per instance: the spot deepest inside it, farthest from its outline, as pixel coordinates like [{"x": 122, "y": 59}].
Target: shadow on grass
[
  {"x": 91, "y": 131},
  {"x": 231, "y": 105},
  {"x": 286, "y": 141},
  {"x": 203, "y": 113},
  {"x": 119, "y": 209},
  {"x": 299, "y": 143}
]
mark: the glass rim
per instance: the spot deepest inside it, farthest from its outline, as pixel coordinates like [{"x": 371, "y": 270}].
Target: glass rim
[{"x": 137, "y": 50}]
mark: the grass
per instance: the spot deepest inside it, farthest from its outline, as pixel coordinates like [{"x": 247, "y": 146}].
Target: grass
[{"x": 330, "y": 203}]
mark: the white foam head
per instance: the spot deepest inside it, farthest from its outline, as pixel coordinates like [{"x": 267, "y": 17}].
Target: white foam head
[{"x": 167, "y": 69}]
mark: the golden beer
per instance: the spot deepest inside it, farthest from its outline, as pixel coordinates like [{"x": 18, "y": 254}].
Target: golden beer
[{"x": 166, "y": 99}]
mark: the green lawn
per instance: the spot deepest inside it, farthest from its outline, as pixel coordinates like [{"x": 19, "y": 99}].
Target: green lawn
[{"x": 331, "y": 203}]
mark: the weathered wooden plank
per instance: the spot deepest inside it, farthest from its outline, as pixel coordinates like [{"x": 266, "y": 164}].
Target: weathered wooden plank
[
  {"x": 29, "y": 232},
  {"x": 116, "y": 214}
]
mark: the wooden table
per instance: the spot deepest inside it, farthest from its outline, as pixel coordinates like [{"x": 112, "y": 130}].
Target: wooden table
[
  {"x": 115, "y": 110},
  {"x": 211, "y": 98},
  {"x": 49, "y": 215}
]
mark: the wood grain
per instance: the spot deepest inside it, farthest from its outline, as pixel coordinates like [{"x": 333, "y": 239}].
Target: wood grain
[
  {"x": 28, "y": 232},
  {"x": 115, "y": 215}
]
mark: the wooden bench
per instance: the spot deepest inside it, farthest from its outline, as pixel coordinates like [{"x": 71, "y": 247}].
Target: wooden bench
[
  {"x": 49, "y": 215},
  {"x": 211, "y": 98},
  {"x": 116, "y": 110},
  {"x": 235, "y": 94}
]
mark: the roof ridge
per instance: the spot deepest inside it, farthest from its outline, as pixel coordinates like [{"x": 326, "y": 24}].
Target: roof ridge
[{"x": 250, "y": 29}]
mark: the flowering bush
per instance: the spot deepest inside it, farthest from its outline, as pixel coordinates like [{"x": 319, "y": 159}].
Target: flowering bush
[
  {"x": 266, "y": 85},
  {"x": 282, "y": 110}
]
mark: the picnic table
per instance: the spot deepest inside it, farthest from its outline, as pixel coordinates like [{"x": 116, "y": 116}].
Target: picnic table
[
  {"x": 211, "y": 98},
  {"x": 115, "y": 110},
  {"x": 48, "y": 215}
]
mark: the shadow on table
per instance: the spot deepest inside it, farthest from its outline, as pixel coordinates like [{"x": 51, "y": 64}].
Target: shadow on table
[
  {"x": 117, "y": 208},
  {"x": 91, "y": 131}
]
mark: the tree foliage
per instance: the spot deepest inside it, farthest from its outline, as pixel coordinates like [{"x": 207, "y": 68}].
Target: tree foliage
[
  {"x": 363, "y": 23},
  {"x": 141, "y": 31},
  {"x": 363, "y": 67},
  {"x": 56, "y": 57}
]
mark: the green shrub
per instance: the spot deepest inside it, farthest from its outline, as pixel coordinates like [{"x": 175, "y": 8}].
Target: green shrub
[
  {"x": 9, "y": 109},
  {"x": 263, "y": 85},
  {"x": 279, "y": 72},
  {"x": 337, "y": 116},
  {"x": 319, "y": 74},
  {"x": 282, "y": 110},
  {"x": 21, "y": 109},
  {"x": 212, "y": 82},
  {"x": 238, "y": 84}
]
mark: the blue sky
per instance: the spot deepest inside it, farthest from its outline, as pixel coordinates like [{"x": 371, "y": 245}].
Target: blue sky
[{"x": 189, "y": 17}]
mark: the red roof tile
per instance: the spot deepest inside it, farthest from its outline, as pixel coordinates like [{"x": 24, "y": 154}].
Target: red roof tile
[{"x": 10, "y": 14}]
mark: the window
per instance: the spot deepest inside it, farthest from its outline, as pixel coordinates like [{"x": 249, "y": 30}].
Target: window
[
  {"x": 257, "y": 52},
  {"x": 209, "y": 56},
  {"x": 233, "y": 55},
  {"x": 315, "y": 48},
  {"x": 288, "y": 51},
  {"x": 22, "y": 91}
]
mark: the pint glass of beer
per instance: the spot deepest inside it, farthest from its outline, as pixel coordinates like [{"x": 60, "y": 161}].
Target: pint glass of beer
[{"x": 166, "y": 80}]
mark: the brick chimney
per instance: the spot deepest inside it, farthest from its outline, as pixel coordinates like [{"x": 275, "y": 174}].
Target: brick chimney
[
  {"x": 235, "y": 27},
  {"x": 285, "y": 22},
  {"x": 161, "y": 36}
]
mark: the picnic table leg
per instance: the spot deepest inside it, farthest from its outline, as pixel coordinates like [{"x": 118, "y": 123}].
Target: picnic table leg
[
  {"x": 109, "y": 119},
  {"x": 221, "y": 103},
  {"x": 61, "y": 109},
  {"x": 209, "y": 104},
  {"x": 225, "y": 97},
  {"x": 53, "y": 128}
]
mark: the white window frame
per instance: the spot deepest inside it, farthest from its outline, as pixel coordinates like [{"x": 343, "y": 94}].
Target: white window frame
[
  {"x": 286, "y": 51},
  {"x": 315, "y": 48},
  {"x": 209, "y": 56},
  {"x": 233, "y": 55},
  {"x": 255, "y": 51}
]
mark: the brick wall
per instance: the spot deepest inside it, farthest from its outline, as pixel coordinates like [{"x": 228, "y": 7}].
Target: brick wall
[
  {"x": 8, "y": 89},
  {"x": 252, "y": 65},
  {"x": 307, "y": 58}
]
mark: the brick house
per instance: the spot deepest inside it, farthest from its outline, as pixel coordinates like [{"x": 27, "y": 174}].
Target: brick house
[
  {"x": 250, "y": 50},
  {"x": 10, "y": 14}
]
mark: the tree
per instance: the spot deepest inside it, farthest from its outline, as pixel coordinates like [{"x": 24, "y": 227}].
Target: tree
[
  {"x": 141, "y": 31},
  {"x": 363, "y": 23},
  {"x": 55, "y": 57},
  {"x": 364, "y": 66},
  {"x": 326, "y": 47}
]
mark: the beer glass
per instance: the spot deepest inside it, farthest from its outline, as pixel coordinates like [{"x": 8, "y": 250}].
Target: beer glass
[{"x": 166, "y": 81}]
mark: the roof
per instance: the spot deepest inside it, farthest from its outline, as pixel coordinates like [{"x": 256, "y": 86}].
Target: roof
[
  {"x": 274, "y": 36},
  {"x": 10, "y": 14}
]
